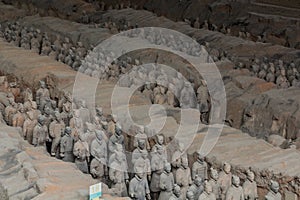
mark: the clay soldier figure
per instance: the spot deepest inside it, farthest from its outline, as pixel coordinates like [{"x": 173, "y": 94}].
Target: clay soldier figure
[
  {"x": 35, "y": 43},
  {"x": 62, "y": 54},
  {"x": 54, "y": 52},
  {"x": 270, "y": 77},
  {"x": 203, "y": 101},
  {"x": 255, "y": 66},
  {"x": 114, "y": 72},
  {"x": 148, "y": 92},
  {"x": 81, "y": 51},
  {"x": 90, "y": 133},
  {"x": 77, "y": 63},
  {"x": 48, "y": 116},
  {"x": 66, "y": 114},
  {"x": 56, "y": 129},
  {"x": 25, "y": 41},
  {"x": 263, "y": 71},
  {"x": 186, "y": 97},
  {"x": 99, "y": 152},
  {"x": 205, "y": 25},
  {"x": 197, "y": 23},
  {"x": 112, "y": 125},
  {"x": 67, "y": 102},
  {"x": 166, "y": 183},
  {"x": 223, "y": 29},
  {"x": 118, "y": 175},
  {"x": 28, "y": 127},
  {"x": 116, "y": 139},
  {"x": 8, "y": 36},
  {"x": 138, "y": 186},
  {"x": 160, "y": 146},
  {"x": 199, "y": 167},
  {"x": 214, "y": 182},
  {"x": 190, "y": 196},
  {"x": 66, "y": 45},
  {"x": 46, "y": 49},
  {"x": 10, "y": 111},
  {"x": 40, "y": 133},
  {"x": 282, "y": 81},
  {"x": 4, "y": 85},
  {"x": 152, "y": 76},
  {"x": 84, "y": 112},
  {"x": 141, "y": 135},
  {"x": 57, "y": 43},
  {"x": 176, "y": 195},
  {"x": 84, "y": 18},
  {"x": 235, "y": 192},
  {"x": 224, "y": 180},
  {"x": 250, "y": 187},
  {"x": 82, "y": 154},
  {"x": 125, "y": 80},
  {"x": 273, "y": 193},
  {"x": 144, "y": 162},
  {"x": 17, "y": 40},
  {"x": 158, "y": 161},
  {"x": 19, "y": 118},
  {"x": 45, "y": 40},
  {"x": 112, "y": 157},
  {"x": 99, "y": 115},
  {"x": 197, "y": 187},
  {"x": 138, "y": 152},
  {"x": 27, "y": 97},
  {"x": 207, "y": 194},
  {"x": 34, "y": 110},
  {"x": 70, "y": 57},
  {"x": 66, "y": 146},
  {"x": 171, "y": 100},
  {"x": 183, "y": 177},
  {"x": 76, "y": 124},
  {"x": 156, "y": 91},
  {"x": 177, "y": 158},
  {"x": 41, "y": 95}
]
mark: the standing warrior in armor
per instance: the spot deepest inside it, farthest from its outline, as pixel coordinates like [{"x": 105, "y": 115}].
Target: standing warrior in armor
[
  {"x": 138, "y": 151},
  {"x": 197, "y": 187},
  {"x": 224, "y": 180},
  {"x": 183, "y": 176},
  {"x": 115, "y": 140},
  {"x": 250, "y": 187},
  {"x": 67, "y": 145},
  {"x": 177, "y": 157},
  {"x": 160, "y": 145},
  {"x": 273, "y": 193},
  {"x": 207, "y": 194},
  {"x": 40, "y": 132},
  {"x": 166, "y": 183},
  {"x": 203, "y": 101},
  {"x": 118, "y": 175},
  {"x": 214, "y": 182},
  {"x": 19, "y": 118},
  {"x": 41, "y": 95},
  {"x": 176, "y": 193},
  {"x": 82, "y": 154},
  {"x": 138, "y": 186},
  {"x": 199, "y": 167},
  {"x": 158, "y": 161},
  {"x": 99, "y": 152},
  {"x": 28, "y": 127},
  {"x": 56, "y": 129},
  {"x": 235, "y": 192}
]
